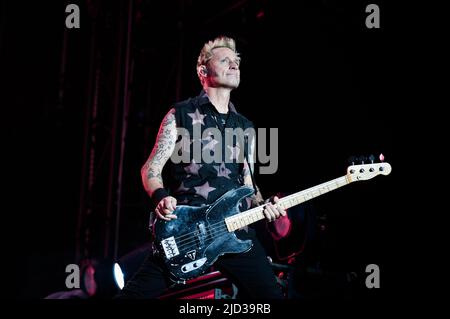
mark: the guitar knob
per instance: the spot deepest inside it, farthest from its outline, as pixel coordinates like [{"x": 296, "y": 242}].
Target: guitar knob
[
  {"x": 371, "y": 169},
  {"x": 361, "y": 170},
  {"x": 381, "y": 168},
  {"x": 352, "y": 171}
]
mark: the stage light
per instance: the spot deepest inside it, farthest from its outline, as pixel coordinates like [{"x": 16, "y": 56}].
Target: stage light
[
  {"x": 119, "y": 276},
  {"x": 99, "y": 279}
]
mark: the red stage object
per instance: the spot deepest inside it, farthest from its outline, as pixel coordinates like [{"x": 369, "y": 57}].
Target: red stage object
[{"x": 212, "y": 285}]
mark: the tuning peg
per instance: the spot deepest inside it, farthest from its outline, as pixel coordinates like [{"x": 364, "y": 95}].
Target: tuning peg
[
  {"x": 381, "y": 157},
  {"x": 352, "y": 160},
  {"x": 362, "y": 159},
  {"x": 371, "y": 158}
]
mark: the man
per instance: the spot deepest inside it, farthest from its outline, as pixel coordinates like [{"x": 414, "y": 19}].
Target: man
[{"x": 201, "y": 181}]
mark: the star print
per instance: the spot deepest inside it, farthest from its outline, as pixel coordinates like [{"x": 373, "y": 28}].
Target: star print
[
  {"x": 235, "y": 150},
  {"x": 193, "y": 168},
  {"x": 209, "y": 137},
  {"x": 222, "y": 171},
  {"x": 197, "y": 117},
  {"x": 204, "y": 190},
  {"x": 211, "y": 144}
]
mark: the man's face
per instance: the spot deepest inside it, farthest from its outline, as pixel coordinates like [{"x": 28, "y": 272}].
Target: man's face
[{"x": 223, "y": 68}]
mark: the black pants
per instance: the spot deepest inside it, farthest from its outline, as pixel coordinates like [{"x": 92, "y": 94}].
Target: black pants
[{"x": 250, "y": 272}]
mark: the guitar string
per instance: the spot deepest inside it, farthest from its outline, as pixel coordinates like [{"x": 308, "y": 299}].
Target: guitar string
[
  {"x": 247, "y": 211},
  {"x": 188, "y": 246},
  {"x": 213, "y": 232},
  {"x": 187, "y": 243},
  {"x": 210, "y": 227},
  {"x": 218, "y": 231}
]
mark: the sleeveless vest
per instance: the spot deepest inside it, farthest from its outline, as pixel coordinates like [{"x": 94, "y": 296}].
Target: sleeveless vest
[{"x": 206, "y": 164}]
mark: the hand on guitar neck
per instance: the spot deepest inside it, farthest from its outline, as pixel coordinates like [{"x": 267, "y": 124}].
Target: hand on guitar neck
[{"x": 273, "y": 211}]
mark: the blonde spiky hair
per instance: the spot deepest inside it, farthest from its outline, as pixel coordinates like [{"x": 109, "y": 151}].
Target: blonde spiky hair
[{"x": 206, "y": 52}]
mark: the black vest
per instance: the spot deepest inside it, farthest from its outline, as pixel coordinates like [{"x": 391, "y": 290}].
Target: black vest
[{"x": 206, "y": 165}]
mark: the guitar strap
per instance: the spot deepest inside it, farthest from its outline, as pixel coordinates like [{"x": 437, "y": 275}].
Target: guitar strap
[{"x": 249, "y": 166}]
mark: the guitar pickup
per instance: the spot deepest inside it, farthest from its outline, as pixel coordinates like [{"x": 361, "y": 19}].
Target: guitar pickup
[
  {"x": 170, "y": 247},
  {"x": 193, "y": 265},
  {"x": 201, "y": 234}
]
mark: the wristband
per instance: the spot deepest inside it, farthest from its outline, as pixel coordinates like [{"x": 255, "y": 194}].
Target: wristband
[{"x": 158, "y": 195}]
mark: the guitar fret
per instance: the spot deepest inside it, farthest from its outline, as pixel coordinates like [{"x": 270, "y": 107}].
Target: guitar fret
[{"x": 305, "y": 195}]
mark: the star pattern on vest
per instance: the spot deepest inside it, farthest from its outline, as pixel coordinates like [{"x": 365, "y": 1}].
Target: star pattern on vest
[
  {"x": 197, "y": 117},
  {"x": 204, "y": 190},
  {"x": 208, "y": 143},
  {"x": 193, "y": 168},
  {"x": 211, "y": 143},
  {"x": 222, "y": 171}
]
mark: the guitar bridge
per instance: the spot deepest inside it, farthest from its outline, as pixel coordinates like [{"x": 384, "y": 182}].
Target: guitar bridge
[{"x": 170, "y": 247}]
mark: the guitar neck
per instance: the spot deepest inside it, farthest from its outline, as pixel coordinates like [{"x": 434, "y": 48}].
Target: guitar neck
[{"x": 255, "y": 214}]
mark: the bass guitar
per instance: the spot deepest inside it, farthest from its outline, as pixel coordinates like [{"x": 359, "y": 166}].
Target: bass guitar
[{"x": 190, "y": 244}]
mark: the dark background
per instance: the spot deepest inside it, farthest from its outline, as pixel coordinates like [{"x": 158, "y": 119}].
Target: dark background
[{"x": 311, "y": 69}]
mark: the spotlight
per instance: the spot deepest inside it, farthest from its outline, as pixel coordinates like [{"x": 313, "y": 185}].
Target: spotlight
[
  {"x": 100, "y": 278},
  {"x": 118, "y": 276}
]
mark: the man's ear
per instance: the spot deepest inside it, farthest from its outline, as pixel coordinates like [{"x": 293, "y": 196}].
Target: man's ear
[{"x": 204, "y": 70}]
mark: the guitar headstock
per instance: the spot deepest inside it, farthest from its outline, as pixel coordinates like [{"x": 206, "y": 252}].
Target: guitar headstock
[{"x": 364, "y": 172}]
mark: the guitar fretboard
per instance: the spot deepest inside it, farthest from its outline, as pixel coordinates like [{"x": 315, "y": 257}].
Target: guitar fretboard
[{"x": 255, "y": 214}]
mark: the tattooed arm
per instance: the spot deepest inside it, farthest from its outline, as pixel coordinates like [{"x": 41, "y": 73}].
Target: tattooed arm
[{"x": 152, "y": 169}]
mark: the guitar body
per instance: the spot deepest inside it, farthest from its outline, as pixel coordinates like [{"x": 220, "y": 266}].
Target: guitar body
[{"x": 191, "y": 243}]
